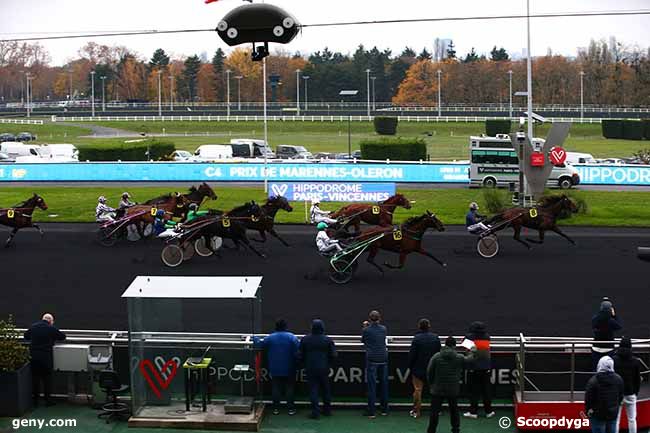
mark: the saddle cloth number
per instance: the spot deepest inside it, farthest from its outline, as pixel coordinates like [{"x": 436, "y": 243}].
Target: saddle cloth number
[
  {"x": 254, "y": 219},
  {"x": 375, "y": 210},
  {"x": 10, "y": 213},
  {"x": 154, "y": 211},
  {"x": 397, "y": 235},
  {"x": 533, "y": 213},
  {"x": 225, "y": 222}
]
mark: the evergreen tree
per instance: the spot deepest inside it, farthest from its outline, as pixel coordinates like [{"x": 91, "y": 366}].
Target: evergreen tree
[
  {"x": 159, "y": 59},
  {"x": 190, "y": 75},
  {"x": 451, "y": 51},
  {"x": 499, "y": 55},
  {"x": 471, "y": 57},
  {"x": 217, "y": 68},
  {"x": 424, "y": 55},
  {"x": 408, "y": 52}
]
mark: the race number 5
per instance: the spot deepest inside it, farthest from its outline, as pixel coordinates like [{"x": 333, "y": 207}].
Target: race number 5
[
  {"x": 375, "y": 210},
  {"x": 225, "y": 222},
  {"x": 154, "y": 211},
  {"x": 10, "y": 213}
]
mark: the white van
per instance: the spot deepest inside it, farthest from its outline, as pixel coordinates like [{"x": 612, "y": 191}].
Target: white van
[
  {"x": 15, "y": 149},
  {"x": 580, "y": 158},
  {"x": 258, "y": 148},
  {"x": 62, "y": 152},
  {"x": 212, "y": 152}
]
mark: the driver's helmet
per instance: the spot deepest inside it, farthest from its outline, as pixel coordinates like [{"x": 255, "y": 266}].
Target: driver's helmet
[
  {"x": 160, "y": 213},
  {"x": 321, "y": 226},
  {"x": 126, "y": 195},
  {"x": 473, "y": 206},
  {"x": 315, "y": 201},
  {"x": 101, "y": 199},
  {"x": 193, "y": 207}
]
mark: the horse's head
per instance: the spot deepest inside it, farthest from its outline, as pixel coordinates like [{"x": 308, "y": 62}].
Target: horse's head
[
  {"x": 280, "y": 202},
  {"x": 400, "y": 200},
  {"x": 38, "y": 200},
  {"x": 568, "y": 204},
  {"x": 206, "y": 190},
  {"x": 432, "y": 221}
]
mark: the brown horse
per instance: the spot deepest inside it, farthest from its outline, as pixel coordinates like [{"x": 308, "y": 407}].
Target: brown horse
[
  {"x": 20, "y": 216},
  {"x": 174, "y": 205},
  {"x": 542, "y": 218},
  {"x": 267, "y": 219},
  {"x": 196, "y": 195},
  {"x": 380, "y": 214},
  {"x": 406, "y": 240}
]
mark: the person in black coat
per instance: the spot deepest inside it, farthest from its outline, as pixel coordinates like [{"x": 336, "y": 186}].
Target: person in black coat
[
  {"x": 629, "y": 367},
  {"x": 604, "y": 324},
  {"x": 424, "y": 345},
  {"x": 317, "y": 352},
  {"x": 603, "y": 396},
  {"x": 43, "y": 334}
]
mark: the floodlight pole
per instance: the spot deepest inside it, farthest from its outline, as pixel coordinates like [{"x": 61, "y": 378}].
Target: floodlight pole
[
  {"x": 510, "y": 94},
  {"x": 92, "y": 89},
  {"x": 439, "y": 94},
  {"x": 374, "y": 106},
  {"x": 582, "y": 97},
  {"x": 171, "y": 93},
  {"x": 228, "y": 72},
  {"x": 159, "y": 94},
  {"x": 297, "y": 92},
  {"x": 368, "y": 89},
  {"x": 529, "y": 91},
  {"x": 306, "y": 77},
  {"x": 239, "y": 78},
  {"x": 266, "y": 130}
]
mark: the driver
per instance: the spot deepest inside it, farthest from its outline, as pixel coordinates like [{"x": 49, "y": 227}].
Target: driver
[
  {"x": 194, "y": 212},
  {"x": 103, "y": 212},
  {"x": 317, "y": 215},
  {"x": 125, "y": 203},
  {"x": 324, "y": 243},
  {"x": 474, "y": 220}
]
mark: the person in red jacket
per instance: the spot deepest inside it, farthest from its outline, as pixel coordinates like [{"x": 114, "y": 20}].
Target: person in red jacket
[{"x": 480, "y": 372}]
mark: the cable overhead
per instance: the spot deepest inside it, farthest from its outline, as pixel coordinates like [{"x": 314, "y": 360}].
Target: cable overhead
[{"x": 100, "y": 34}]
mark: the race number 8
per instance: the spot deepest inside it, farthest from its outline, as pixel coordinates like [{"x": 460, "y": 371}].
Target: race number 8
[
  {"x": 397, "y": 235},
  {"x": 10, "y": 213},
  {"x": 225, "y": 222},
  {"x": 533, "y": 213},
  {"x": 375, "y": 210},
  {"x": 154, "y": 211}
]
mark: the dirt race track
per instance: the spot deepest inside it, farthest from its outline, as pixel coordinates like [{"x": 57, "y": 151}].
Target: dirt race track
[{"x": 551, "y": 290}]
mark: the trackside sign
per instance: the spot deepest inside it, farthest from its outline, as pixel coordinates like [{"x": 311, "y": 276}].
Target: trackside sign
[
  {"x": 333, "y": 191},
  {"x": 614, "y": 174}
]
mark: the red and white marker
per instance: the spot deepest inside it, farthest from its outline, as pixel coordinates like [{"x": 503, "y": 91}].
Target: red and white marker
[{"x": 557, "y": 155}]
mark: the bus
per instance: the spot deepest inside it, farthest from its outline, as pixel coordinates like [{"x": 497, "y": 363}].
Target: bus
[{"x": 494, "y": 162}]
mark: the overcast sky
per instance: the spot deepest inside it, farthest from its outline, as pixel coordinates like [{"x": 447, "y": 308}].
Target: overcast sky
[{"x": 562, "y": 35}]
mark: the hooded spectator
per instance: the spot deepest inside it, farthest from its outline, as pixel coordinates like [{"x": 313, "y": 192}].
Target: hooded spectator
[
  {"x": 281, "y": 349},
  {"x": 478, "y": 378},
  {"x": 603, "y": 396},
  {"x": 424, "y": 345},
  {"x": 629, "y": 368},
  {"x": 604, "y": 325},
  {"x": 317, "y": 352}
]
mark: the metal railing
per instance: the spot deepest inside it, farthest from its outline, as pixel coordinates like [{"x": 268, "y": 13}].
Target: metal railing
[{"x": 22, "y": 121}]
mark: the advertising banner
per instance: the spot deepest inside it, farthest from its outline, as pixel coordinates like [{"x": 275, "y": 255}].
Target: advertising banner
[{"x": 333, "y": 191}]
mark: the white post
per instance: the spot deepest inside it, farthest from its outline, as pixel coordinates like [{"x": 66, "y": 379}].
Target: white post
[
  {"x": 306, "y": 77},
  {"x": 510, "y": 94},
  {"x": 28, "y": 78},
  {"x": 368, "y": 90},
  {"x": 159, "y": 94},
  {"x": 582, "y": 97},
  {"x": 266, "y": 130},
  {"x": 92, "y": 91},
  {"x": 228, "y": 71},
  {"x": 238, "y": 78},
  {"x": 171, "y": 93},
  {"x": 374, "y": 106},
  {"x": 439, "y": 93},
  {"x": 529, "y": 90},
  {"x": 103, "y": 92},
  {"x": 297, "y": 92},
  {"x": 70, "y": 76}
]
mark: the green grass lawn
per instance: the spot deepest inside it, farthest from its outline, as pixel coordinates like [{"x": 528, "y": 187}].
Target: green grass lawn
[{"x": 77, "y": 204}]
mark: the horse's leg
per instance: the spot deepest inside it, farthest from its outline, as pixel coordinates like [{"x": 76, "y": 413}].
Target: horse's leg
[
  {"x": 275, "y": 235},
  {"x": 371, "y": 259},
  {"x": 431, "y": 256},
  {"x": 11, "y": 237},
  {"x": 246, "y": 242},
  {"x": 263, "y": 236},
  {"x": 557, "y": 230},
  {"x": 402, "y": 260},
  {"x": 40, "y": 230},
  {"x": 541, "y": 238},
  {"x": 517, "y": 235}
]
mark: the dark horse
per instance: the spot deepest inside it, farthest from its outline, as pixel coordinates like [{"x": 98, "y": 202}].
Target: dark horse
[
  {"x": 196, "y": 195},
  {"x": 20, "y": 216},
  {"x": 267, "y": 219},
  {"x": 542, "y": 218},
  {"x": 229, "y": 225},
  {"x": 406, "y": 240},
  {"x": 380, "y": 214}
]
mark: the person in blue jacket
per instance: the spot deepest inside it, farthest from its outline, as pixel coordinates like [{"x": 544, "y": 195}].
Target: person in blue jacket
[
  {"x": 317, "y": 352},
  {"x": 475, "y": 221},
  {"x": 281, "y": 350}
]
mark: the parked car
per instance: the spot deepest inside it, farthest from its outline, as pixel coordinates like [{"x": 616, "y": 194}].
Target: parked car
[
  {"x": 25, "y": 136},
  {"x": 356, "y": 154},
  {"x": 325, "y": 155},
  {"x": 7, "y": 137},
  {"x": 580, "y": 158},
  {"x": 212, "y": 152},
  {"x": 16, "y": 149},
  {"x": 285, "y": 151},
  {"x": 611, "y": 161},
  {"x": 343, "y": 156},
  {"x": 4, "y": 157},
  {"x": 258, "y": 148},
  {"x": 180, "y": 155}
]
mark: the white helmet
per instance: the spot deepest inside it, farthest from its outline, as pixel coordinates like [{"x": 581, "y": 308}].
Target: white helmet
[
  {"x": 473, "y": 206},
  {"x": 101, "y": 199},
  {"x": 126, "y": 195},
  {"x": 315, "y": 201}
]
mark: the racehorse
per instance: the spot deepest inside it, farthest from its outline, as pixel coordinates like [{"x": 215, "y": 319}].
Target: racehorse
[
  {"x": 406, "y": 240},
  {"x": 20, "y": 216},
  {"x": 229, "y": 225},
  {"x": 173, "y": 204},
  {"x": 542, "y": 218},
  {"x": 267, "y": 219},
  {"x": 380, "y": 214},
  {"x": 196, "y": 195}
]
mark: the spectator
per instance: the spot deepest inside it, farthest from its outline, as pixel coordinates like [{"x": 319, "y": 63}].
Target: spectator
[
  {"x": 43, "y": 334},
  {"x": 374, "y": 341},
  {"x": 317, "y": 352},
  {"x": 478, "y": 378},
  {"x": 604, "y": 324},
  {"x": 281, "y": 349},
  {"x": 603, "y": 396},
  {"x": 629, "y": 368},
  {"x": 425, "y": 344},
  {"x": 444, "y": 373}
]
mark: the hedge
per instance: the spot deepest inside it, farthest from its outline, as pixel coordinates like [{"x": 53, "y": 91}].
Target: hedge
[
  {"x": 126, "y": 151},
  {"x": 612, "y": 128},
  {"x": 399, "y": 149},
  {"x": 494, "y": 127},
  {"x": 385, "y": 125},
  {"x": 633, "y": 130}
]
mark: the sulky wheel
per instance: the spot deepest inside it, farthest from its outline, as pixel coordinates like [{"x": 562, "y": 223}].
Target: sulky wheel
[
  {"x": 342, "y": 270},
  {"x": 488, "y": 246},
  {"x": 172, "y": 255},
  {"x": 202, "y": 250},
  {"x": 188, "y": 250},
  {"x": 107, "y": 236}
]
